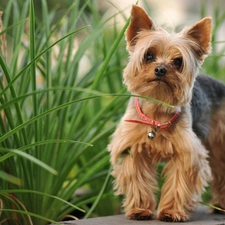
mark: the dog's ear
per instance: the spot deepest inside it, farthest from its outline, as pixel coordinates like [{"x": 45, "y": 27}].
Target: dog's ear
[
  {"x": 139, "y": 21},
  {"x": 201, "y": 34}
]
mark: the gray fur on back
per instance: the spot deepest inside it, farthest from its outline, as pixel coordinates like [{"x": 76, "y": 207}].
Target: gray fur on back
[{"x": 207, "y": 95}]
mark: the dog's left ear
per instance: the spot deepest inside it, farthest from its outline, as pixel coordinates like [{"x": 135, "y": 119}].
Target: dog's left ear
[
  {"x": 139, "y": 21},
  {"x": 201, "y": 34}
]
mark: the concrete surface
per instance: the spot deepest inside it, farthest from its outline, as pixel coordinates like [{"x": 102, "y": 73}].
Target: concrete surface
[{"x": 199, "y": 217}]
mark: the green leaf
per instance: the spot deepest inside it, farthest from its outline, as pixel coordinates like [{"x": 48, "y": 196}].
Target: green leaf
[{"x": 30, "y": 158}]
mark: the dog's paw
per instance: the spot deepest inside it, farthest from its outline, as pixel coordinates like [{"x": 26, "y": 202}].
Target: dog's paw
[
  {"x": 140, "y": 214},
  {"x": 173, "y": 216}
]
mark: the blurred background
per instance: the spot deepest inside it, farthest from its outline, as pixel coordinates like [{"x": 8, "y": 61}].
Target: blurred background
[{"x": 170, "y": 13}]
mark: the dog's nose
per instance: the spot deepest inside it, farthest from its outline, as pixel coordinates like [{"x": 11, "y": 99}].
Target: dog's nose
[{"x": 160, "y": 71}]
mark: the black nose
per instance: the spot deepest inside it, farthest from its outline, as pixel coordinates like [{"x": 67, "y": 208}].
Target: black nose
[{"x": 160, "y": 71}]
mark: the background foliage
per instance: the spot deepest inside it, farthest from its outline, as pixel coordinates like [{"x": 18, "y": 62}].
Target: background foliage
[{"x": 61, "y": 97}]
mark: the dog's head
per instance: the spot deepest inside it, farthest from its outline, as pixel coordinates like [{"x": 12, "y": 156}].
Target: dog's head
[{"x": 164, "y": 65}]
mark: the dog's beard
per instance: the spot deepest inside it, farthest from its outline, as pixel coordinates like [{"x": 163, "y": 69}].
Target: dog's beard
[
  {"x": 171, "y": 90},
  {"x": 158, "y": 89}
]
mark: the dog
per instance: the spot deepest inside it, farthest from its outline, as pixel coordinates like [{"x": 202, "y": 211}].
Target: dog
[{"x": 174, "y": 116}]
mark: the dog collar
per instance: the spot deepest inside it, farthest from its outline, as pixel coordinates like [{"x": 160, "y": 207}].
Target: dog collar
[{"x": 151, "y": 122}]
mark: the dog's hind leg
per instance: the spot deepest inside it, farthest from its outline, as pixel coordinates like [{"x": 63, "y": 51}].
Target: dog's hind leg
[{"x": 216, "y": 142}]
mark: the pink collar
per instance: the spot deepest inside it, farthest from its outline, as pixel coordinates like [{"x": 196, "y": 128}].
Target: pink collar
[{"x": 153, "y": 123}]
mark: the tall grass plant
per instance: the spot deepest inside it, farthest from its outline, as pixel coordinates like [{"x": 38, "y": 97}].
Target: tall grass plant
[{"x": 57, "y": 110}]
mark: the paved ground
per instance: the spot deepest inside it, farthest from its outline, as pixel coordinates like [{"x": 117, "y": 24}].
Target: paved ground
[{"x": 200, "y": 217}]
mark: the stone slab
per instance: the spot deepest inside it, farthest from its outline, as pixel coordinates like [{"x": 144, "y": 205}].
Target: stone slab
[{"x": 200, "y": 216}]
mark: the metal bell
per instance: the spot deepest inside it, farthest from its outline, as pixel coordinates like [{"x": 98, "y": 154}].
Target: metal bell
[{"x": 151, "y": 135}]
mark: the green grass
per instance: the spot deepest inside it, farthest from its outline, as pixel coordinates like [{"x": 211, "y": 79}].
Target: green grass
[
  {"x": 214, "y": 65},
  {"x": 54, "y": 133},
  {"x": 61, "y": 96}
]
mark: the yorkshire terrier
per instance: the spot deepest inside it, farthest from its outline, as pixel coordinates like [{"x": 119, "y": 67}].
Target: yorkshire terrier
[{"x": 177, "y": 118}]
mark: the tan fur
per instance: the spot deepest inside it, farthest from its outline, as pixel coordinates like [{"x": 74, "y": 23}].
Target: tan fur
[
  {"x": 186, "y": 172},
  {"x": 132, "y": 154},
  {"x": 216, "y": 142}
]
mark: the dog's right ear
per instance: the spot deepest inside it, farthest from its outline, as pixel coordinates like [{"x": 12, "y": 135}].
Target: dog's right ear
[{"x": 139, "y": 21}]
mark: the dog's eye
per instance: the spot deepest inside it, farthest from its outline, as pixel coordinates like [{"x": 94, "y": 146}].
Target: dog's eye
[
  {"x": 149, "y": 57},
  {"x": 178, "y": 63}
]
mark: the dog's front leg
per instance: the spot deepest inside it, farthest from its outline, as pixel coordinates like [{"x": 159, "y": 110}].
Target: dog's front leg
[
  {"x": 133, "y": 169},
  {"x": 135, "y": 179},
  {"x": 186, "y": 176}
]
